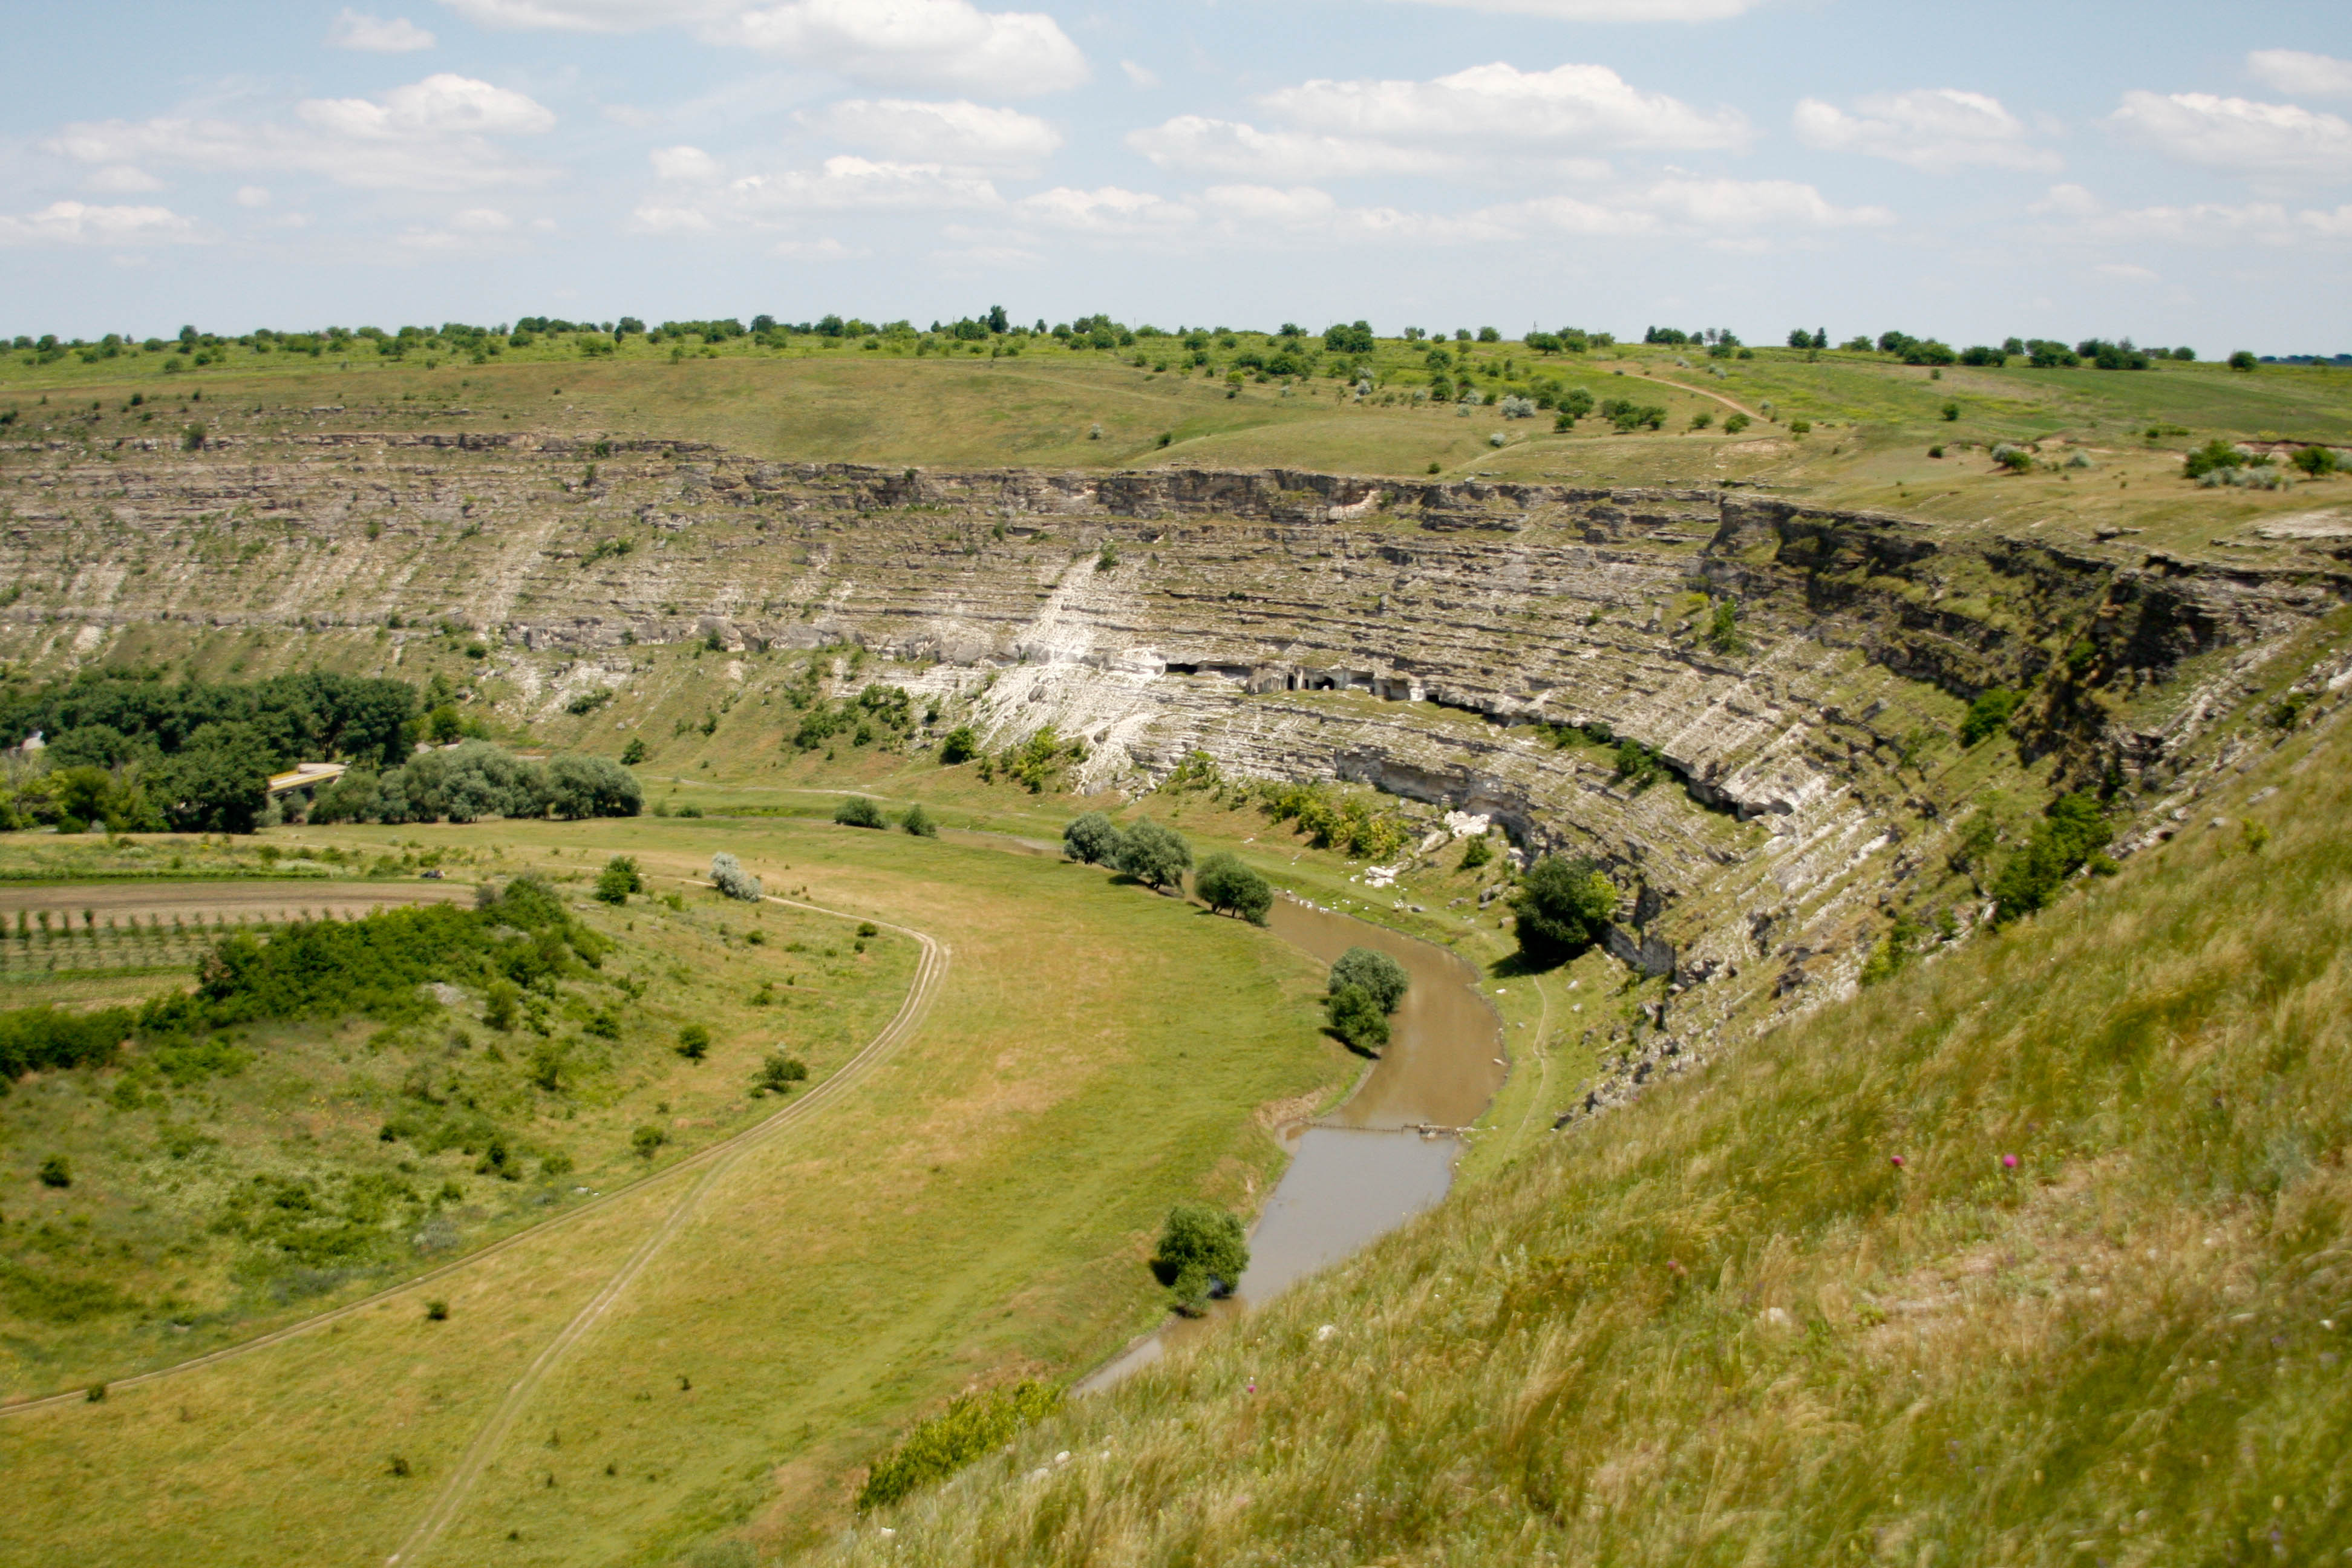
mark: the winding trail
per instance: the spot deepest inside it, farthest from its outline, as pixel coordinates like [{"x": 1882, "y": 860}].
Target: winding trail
[
  {"x": 714, "y": 1162},
  {"x": 717, "y": 1161}
]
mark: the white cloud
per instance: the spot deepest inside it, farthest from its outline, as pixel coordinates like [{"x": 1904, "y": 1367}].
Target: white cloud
[
  {"x": 1717, "y": 204},
  {"x": 685, "y": 165},
  {"x": 825, "y": 249},
  {"x": 2308, "y": 75},
  {"x": 949, "y": 44},
  {"x": 358, "y": 30},
  {"x": 2125, "y": 271},
  {"x": 2265, "y": 141},
  {"x": 936, "y": 43},
  {"x": 1107, "y": 210},
  {"x": 592, "y": 16},
  {"x": 75, "y": 223},
  {"x": 1580, "y": 107},
  {"x": 442, "y": 104},
  {"x": 1139, "y": 76},
  {"x": 658, "y": 218},
  {"x": 123, "y": 179},
  {"x": 430, "y": 135},
  {"x": 481, "y": 220},
  {"x": 252, "y": 196},
  {"x": 959, "y": 132},
  {"x": 846, "y": 182},
  {"x": 1228, "y": 147},
  {"x": 2070, "y": 212},
  {"x": 1613, "y": 10},
  {"x": 1937, "y": 130}
]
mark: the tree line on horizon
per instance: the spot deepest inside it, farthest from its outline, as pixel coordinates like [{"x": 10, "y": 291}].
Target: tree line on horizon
[{"x": 194, "y": 349}]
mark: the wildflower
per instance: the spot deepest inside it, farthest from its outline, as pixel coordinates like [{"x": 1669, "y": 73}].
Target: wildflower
[
  {"x": 1896, "y": 1159},
  {"x": 2009, "y": 1162}
]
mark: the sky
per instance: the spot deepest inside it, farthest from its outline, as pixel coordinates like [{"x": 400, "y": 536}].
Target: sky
[{"x": 2176, "y": 173}]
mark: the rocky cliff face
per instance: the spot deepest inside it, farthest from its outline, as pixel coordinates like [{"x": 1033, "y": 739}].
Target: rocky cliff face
[{"x": 1417, "y": 638}]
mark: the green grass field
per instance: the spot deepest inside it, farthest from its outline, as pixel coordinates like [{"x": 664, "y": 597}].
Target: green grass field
[
  {"x": 980, "y": 1207},
  {"x": 817, "y": 399}
]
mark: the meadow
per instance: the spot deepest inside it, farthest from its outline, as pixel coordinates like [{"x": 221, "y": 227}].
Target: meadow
[{"x": 979, "y": 1205}]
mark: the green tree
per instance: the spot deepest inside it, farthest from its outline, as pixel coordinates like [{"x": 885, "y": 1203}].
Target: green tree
[
  {"x": 1562, "y": 908},
  {"x": 1200, "y": 1249},
  {"x": 694, "y": 1042},
  {"x": 1478, "y": 852},
  {"x": 55, "y": 1172},
  {"x": 500, "y": 1004},
  {"x": 1153, "y": 855},
  {"x": 2244, "y": 360},
  {"x": 778, "y": 1073},
  {"x": 961, "y": 746},
  {"x": 618, "y": 879},
  {"x": 1988, "y": 714},
  {"x": 919, "y": 822},
  {"x": 1091, "y": 839},
  {"x": 634, "y": 753},
  {"x": 1374, "y": 973},
  {"x": 1228, "y": 887},
  {"x": 859, "y": 812},
  {"x": 1356, "y": 1019},
  {"x": 217, "y": 783},
  {"x": 645, "y": 1141},
  {"x": 2070, "y": 834}
]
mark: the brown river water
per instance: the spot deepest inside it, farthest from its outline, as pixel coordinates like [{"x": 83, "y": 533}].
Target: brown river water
[{"x": 1383, "y": 1155}]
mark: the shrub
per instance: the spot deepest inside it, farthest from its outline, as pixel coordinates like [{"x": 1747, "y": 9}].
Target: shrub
[
  {"x": 1988, "y": 714},
  {"x": 1517, "y": 407},
  {"x": 1091, "y": 839},
  {"x": 1801, "y": 427},
  {"x": 2318, "y": 462},
  {"x": 579, "y": 787},
  {"x": 1377, "y": 975},
  {"x": 1478, "y": 852},
  {"x": 618, "y": 879},
  {"x": 55, "y": 1172},
  {"x": 34, "y": 1039},
  {"x": 2244, "y": 360},
  {"x": 778, "y": 1073},
  {"x": 2016, "y": 459},
  {"x": 2070, "y": 834},
  {"x": 436, "y": 1311},
  {"x": 919, "y": 822},
  {"x": 634, "y": 753},
  {"x": 694, "y": 1042},
  {"x": 727, "y": 874},
  {"x": 1735, "y": 423},
  {"x": 1951, "y": 411},
  {"x": 972, "y": 1427},
  {"x": 2213, "y": 455},
  {"x": 859, "y": 812},
  {"x": 645, "y": 1141},
  {"x": 1723, "y": 628},
  {"x": 1561, "y": 908},
  {"x": 1200, "y": 1248},
  {"x": 1356, "y": 1019},
  {"x": 1153, "y": 855},
  {"x": 1228, "y": 887}
]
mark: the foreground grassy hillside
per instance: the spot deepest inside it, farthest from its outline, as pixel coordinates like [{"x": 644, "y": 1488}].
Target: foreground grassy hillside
[{"x": 2034, "y": 1254}]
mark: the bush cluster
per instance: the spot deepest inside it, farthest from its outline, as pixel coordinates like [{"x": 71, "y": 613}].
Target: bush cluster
[
  {"x": 2072, "y": 834},
  {"x": 973, "y": 1426},
  {"x": 1228, "y": 887},
  {"x": 727, "y": 874},
  {"x": 1203, "y": 1251},
  {"x": 1366, "y": 986},
  {"x": 1150, "y": 853},
  {"x": 477, "y": 779},
  {"x": 1562, "y": 908}
]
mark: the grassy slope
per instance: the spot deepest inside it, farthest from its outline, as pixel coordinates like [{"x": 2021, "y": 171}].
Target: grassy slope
[
  {"x": 1873, "y": 419},
  {"x": 156, "y": 1161},
  {"x": 979, "y": 1209},
  {"x": 1723, "y": 1326}
]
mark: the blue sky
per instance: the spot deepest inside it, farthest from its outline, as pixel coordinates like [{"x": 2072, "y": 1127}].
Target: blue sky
[{"x": 2177, "y": 173}]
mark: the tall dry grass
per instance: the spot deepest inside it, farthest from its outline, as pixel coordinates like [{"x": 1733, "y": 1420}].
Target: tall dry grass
[{"x": 1725, "y": 1326}]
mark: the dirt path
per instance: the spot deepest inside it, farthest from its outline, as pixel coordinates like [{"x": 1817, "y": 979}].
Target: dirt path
[
  {"x": 927, "y": 975},
  {"x": 719, "y": 1161},
  {"x": 1703, "y": 391}
]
